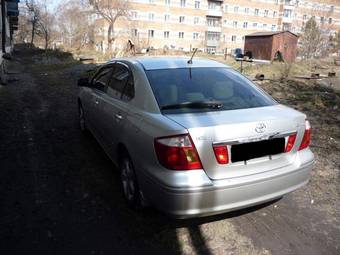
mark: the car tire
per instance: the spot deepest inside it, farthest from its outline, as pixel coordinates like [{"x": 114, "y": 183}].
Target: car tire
[
  {"x": 129, "y": 183},
  {"x": 82, "y": 122}
]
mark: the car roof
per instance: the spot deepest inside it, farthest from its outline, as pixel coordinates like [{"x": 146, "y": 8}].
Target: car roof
[{"x": 156, "y": 63}]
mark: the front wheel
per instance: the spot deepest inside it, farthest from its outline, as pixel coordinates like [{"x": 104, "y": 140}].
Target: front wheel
[{"x": 129, "y": 183}]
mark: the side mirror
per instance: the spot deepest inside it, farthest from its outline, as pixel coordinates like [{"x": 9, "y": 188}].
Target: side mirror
[
  {"x": 83, "y": 82},
  {"x": 7, "y": 56}
]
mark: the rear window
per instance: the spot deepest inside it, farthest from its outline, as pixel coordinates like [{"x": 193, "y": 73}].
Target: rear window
[{"x": 176, "y": 86}]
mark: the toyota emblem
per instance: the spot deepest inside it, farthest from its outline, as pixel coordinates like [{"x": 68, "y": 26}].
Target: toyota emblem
[{"x": 260, "y": 128}]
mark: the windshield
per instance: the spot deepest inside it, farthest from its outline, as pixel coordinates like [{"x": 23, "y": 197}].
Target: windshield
[{"x": 180, "y": 87}]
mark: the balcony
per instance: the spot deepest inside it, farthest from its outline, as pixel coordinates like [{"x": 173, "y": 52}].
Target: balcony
[
  {"x": 214, "y": 12},
  {"x": 214, "y": 29},
  {"x": 287, "y": 19},
  {"x": 212, "y": 43},
  {"x": 290, "y": 2}
]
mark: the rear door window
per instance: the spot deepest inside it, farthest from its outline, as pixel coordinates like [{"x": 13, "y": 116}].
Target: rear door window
[
  {"x": 224, "y": 85},
  {"x": 101, "y": 79},
  {"x": 129, "y": 90},
  {"x": 118, "y": 81}
]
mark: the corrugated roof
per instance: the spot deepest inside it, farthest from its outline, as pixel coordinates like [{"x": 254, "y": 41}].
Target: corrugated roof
[{"x": 268, "y": 33}]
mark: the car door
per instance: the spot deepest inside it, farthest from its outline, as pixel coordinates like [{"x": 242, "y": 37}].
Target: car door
[
  {"x": 99, "y": 85},
  {"x": 115, "y": 106}
]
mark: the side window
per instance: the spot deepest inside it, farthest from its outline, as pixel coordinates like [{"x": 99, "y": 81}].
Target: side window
[
  {"x": 100, "y": 81},
  {"x": 121, "y": 83},
  {"x": 129, "y": 91}
]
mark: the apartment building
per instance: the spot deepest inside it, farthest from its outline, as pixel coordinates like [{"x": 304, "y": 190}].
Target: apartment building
[
  {"x": 9, "y": 23},
  {"x": 212, "y": 25}
]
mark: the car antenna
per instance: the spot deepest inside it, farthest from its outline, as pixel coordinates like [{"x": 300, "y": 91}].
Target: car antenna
[{"x": 192, "y": 56}]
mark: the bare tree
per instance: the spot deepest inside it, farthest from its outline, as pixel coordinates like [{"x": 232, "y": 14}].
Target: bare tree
[
  {"x": 315, "y": 37},
  {"x": 310, "y": 39},
  {"x": 34, "y": 16},
  {"x": 45, "y": 23},
  {"x": 111, "y": 11},
  {"x": 24, "y": 32},
  {"x": 73, "y": 24},
  {"x": 336, "y": 43}
]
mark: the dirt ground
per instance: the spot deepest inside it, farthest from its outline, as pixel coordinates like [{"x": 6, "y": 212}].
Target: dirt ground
[{"x": 60, "y": 193}]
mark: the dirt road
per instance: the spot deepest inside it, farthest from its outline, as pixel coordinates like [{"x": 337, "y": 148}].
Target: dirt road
[{"x": 60, "y": 193}]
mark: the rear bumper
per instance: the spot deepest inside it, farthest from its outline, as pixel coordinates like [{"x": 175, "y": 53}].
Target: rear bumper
[{"x": 215, "y": 199}]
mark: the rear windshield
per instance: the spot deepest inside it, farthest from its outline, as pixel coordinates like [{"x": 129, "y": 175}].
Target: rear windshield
[{"x": 224, "y": 85}]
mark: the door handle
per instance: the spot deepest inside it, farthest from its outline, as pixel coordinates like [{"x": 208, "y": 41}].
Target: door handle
[
  {"x": 118, "y": 116},
  {"x": 96, "y": 102}
]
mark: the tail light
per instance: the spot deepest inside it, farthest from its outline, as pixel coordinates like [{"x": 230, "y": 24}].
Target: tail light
[
  {"x": 306, "y": 137},
  {"x": 177, "y": 153},
  {"x": 221, "y": 154},
  {"x": 290, "y": 143}
]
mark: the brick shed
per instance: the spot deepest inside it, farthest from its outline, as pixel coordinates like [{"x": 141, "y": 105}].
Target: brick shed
[{"x": 265, "y": 45}]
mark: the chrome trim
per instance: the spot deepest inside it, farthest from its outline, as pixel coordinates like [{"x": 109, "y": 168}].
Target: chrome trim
[{"x": 256, "y": 138}]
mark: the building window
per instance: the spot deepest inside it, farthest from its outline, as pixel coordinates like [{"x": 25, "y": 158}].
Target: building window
[
  {"x": 134, "y": 15},
  {"x": 181, "y": 19},
  {"x": 245, "y": 24},
  {"x": 195, "y": 36},
  {"x": 330, "y": 21},
  {"x": 226, "y": 8},
  {"x": 225, "y": 22},
  {"x": 151, "y": 1},
  {"x": 197, "y": 4},
  {"x": 276, "y": 1},
  {"x": 266, "y": 13},
  {"x": 322, "y": 20},
  {"x": 273, "y": 27},
  {"x": 304, "y": 17},
  {"x": 213, "y": 22},
  {"x": 233, "y": 38},
  {"x": 181, "y": 35},
  {"x": 134, "y": 32},
  {"x": 166, "y": 34},
  {"x": 255, "y": 25},
  {"x": 182, "y": 3},
  {"x": 236, "y": 9},
  {"x": 151, "y": 16},
  {"x": 287, "y": 13},
  {"x": 214, "y": 5},
  {"x": 246, "y": 10},
  {"x": 213, "y": 36},
  {"x": 167, "y": 2},
  {"x": 286, "y": 26},
  {"x": 256, "y": 12},
  {"x": 264, "y": 26},
  {"x": 196, "y": 20},
  {"x": 235, "y": 24},
  {"x": 274, "y": 14},
  {"x": 166, "y": 17},
  {"x": 151, "y": 33}
]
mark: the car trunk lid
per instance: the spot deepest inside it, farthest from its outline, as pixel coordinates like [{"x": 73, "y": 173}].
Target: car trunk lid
[{"x": 254, "y": 137}]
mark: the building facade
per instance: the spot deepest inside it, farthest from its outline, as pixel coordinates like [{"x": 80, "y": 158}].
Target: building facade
[
  {"x": 212, "y": 25},
  {"x": 9, "y": 23}
]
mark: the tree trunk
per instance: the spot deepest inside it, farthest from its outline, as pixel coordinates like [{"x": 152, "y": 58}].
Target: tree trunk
[
  {"x": 109, "y": 37},
  {"x": 46, "y": 40},
  {"x": 33, "y": 33}
]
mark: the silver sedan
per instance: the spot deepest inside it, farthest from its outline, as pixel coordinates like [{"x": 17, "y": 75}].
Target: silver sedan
[{"x": 194, "y": 138}]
